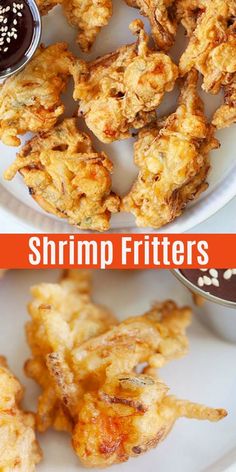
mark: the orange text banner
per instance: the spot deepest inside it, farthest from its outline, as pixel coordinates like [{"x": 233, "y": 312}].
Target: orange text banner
[{"x": 117, "y": 251}]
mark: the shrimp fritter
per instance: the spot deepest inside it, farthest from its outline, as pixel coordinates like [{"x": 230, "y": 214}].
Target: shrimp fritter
[
  {"x": 211, "y": 50},
  {"x": 121, "y": 90},
  {"x": 226, "y": 114},
  {"x": 62, "y": 317},
  {"x": 162, "y": 17},
  {"x": 88, "y": 16},
  {"x": 128, "y": 416},
  {"x": 46, "y": 5},
  {"x": 19, "y": 450},
  {"x": 30, "y": 100},
  {"x": 173, "y": 161},
  {"x": 154, "y": 338},
  {"x": 67, "y": 177}
]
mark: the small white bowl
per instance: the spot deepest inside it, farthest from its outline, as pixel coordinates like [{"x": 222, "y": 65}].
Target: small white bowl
[{"x": 210, "y": 313}]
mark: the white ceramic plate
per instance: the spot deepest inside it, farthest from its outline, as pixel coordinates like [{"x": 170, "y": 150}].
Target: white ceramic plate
[
  {"x": 206, "y": 375},
  {"x": 26, "y": 213}
]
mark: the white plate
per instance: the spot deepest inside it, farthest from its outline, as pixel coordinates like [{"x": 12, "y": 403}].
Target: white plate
[
  {"x": 14, "y": 197},
  {"x": 206, "y": 375}
]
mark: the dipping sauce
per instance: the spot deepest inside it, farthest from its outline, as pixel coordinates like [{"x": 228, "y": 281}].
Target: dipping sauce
[
  {"x": 16, "y": 32},
  {"x": 218, "y": 282}
]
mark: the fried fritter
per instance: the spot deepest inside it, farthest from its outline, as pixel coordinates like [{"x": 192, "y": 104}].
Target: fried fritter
[
  {"x": 162, "y": 18},
  {"x": 67, "y": 177},
  {"x": 30, "y": 100},
  {"x": 121, "y": 90},
  {"x": 211, "y": 49},
  {"x": 226, "y": 114},
  {"x": 19, "y": 450},
  {"x": 63, "y": 317},
  {"x": 46, "y": 5},
  {"x": 154, "y": 338},
  {"x": 89, "y": 16},
  {"x": 173, "y": 161},
  {"x": 188, "y": 12},
  {"x": 128, "y": 416}
]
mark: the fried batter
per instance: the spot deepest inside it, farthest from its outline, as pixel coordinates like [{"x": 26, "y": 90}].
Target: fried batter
[
  {"x": 188, "y": 12},
  {"x": 46, "y": 5},
  {"x": 63, "y": 317},
  {"x": 162, "y": 18},
  {"x": 67, "y": 177},
  {"x": 226, "y": 114},
  {"x": 128, "y": 416},
  {"x": 89, "y": 16},
  {"x": 211, "y": 49},
  {"x": 121, "y": 90},
  {"x": 19, "y": 450},
  {"x": 30, "y": 100},
  {"x": 154, "y": 338},
  {"x": 173, "y": 161}
]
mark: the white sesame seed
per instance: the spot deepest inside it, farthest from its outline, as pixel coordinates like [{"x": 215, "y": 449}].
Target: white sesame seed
[
  {"x": 227, "y": 274},
  {"x": 19, "y": 14},
  {"x": 215, "y": 282},
  {"x": 8, "y": 40},
  {"x": 213, "y": 273},
  {"x": 14, "y": 22},
  {"x": 200, "y": 282},
  {"x": 206, "y": 280},
  {"x": 15, "y": 36},
  {"x": 234, "y": 271},
  {"x": 204, "y": 270},
  {"x": 5, "y": 49},
  {"x": 5, "y": 21}
]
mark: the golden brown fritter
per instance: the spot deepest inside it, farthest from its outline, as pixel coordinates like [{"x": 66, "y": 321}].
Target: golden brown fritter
[
  {"x": 46, "y": 5},
  {"x": 121, "y": 90},
  {"x": 226, "y": 114},
  {"x": 162, "y": 17},
  {"x": 154, "y": 339},
  {"x": 188, "y": 12},
  {"x": 19, "y": 450},
  {"x": 89, "y": 16},
  {"x": 211, "y": 49},
  {"x": 128, "y": 416},
  {"x": 173, "y": 161},
  {"x": 30, "y": 100},
  {"x": 67, "y": 177},
  {"x": 62, "y": 317}
]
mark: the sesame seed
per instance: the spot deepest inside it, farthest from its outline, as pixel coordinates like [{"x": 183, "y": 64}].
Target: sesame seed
[
  {"x": 206, "y": 280},
  {"x": 200, "y": 282},
  {"x": 227, "y": 274},
  {"x": 213, "y": 273},
  {"x": 234, "y": 271},
  {"x": 215, "y": 282},
  {"x": 204, "y": 270}
]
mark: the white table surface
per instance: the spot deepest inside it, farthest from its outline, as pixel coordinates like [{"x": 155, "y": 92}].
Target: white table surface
[{"x": 224, "y": 221}]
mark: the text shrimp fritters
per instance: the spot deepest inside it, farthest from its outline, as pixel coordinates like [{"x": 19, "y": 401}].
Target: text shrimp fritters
[
  {"x": 67, "y": 177},
  {"x": 121, "y": 90},
  {"x": 211, "y": 50},
  {"x": 19, "y": 450},
  {"x": 173, "y": 161},
  {"x": 128, "y": 416},
  {"x": 30, "y": 100},
  {"x": 62, "y": 317}
]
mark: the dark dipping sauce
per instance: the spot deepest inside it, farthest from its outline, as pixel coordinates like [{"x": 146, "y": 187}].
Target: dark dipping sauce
[
  {"x": 226, "y": 280},
  {"x": 16, "y": 32}
]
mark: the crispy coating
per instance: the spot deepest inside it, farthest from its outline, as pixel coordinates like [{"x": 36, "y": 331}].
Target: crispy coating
[
  {"x": 19, "y": 450},
  {"x": 30, "y": 100},
  {"x": 188, "y": 12},
  {"x": 62, "y": 317},
  {"x": 67, "y": 177},
  {"x": 226, "y": 114},
  {"x": 162, "y": 17},
  {"x": 46, "y": 5},
  {"x": 173, "y": 161},
  {"x": 89, "y": 16},
  {"x": 211, "y": 49},
  {"x": 128, "y": 416},
  {"x": 153, "y": 338},
  {"x": 121, "y": 90}
]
